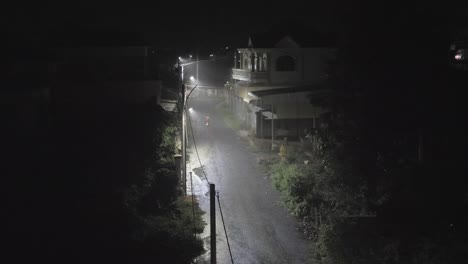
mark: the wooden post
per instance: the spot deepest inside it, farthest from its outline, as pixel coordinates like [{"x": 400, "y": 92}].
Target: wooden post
[
  {"x": 212, "y": 223},
  {"x": 261, "y": 120}
]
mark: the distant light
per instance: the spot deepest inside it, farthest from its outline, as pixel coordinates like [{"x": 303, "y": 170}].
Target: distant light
[
  {"x": 190, "y": 55},
  {"x": 211, "y": 55},
  {"x": 227, "y": 47},
  {"x": 180, "y": 58},
  {"x": 251, "y": 94},
  {"x": 190, "y": 109},
  {"x": 459, "y": 55},
  {"x": 192, "y": 78}
]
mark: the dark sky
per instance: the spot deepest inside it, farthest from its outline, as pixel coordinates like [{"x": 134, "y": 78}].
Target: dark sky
[
  {"x": 195, "y": 23},
  {"x": 166, "y": 24}
]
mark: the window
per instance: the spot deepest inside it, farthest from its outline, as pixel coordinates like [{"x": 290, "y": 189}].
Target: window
[
  {"x": 285, "y": 63},
  {"x": 246, "y": 61}
]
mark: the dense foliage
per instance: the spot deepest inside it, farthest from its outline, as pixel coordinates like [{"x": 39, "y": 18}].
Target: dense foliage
[
  {"x": 98, "y": 185},
  {"x": 365, "y": 204},
  {"x": 387, "y": 183}
]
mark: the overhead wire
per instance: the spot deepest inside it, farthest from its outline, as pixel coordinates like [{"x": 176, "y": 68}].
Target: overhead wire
[
  {"x": 224, "y": 226},
  {"x": 206, "y": 178},
  {"x": 207, "y": 60}
]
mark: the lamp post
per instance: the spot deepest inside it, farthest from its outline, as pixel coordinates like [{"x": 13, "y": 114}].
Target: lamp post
[
  {"x": 185, "y": 97},
  {"x": 184, "y": 122}
]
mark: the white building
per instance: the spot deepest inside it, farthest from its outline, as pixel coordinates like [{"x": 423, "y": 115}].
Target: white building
[{"x": 280, "y": 73}]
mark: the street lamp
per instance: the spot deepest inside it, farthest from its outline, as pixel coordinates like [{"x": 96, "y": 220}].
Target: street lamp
[
  {"x": 252, "y": 95},
  {"x": 185, "y": 97}
]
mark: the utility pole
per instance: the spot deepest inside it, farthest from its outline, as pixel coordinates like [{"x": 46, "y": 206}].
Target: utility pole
[
  {"x": 261, "y": 119},
  {"x": 184, "y": 151},
  {"x": 212, "y": 223},
  {"x": 181, "y": 108}
]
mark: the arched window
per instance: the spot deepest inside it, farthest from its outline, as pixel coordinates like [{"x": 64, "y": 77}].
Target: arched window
[{"x": 285, "y": 63}]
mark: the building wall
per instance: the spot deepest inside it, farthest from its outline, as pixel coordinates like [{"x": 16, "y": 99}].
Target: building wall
[
  {"x": 316, "y": 62},
  {"x": 311, "y": 65},
  {"x": 277, "y": 77},
  {"x": 293, "y": 111}
]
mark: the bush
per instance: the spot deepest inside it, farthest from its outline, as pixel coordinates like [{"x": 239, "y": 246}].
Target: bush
[{"x": 161, "y": 225}]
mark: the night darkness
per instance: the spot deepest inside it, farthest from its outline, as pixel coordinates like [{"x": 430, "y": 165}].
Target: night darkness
[{"x": 88, "y": 145}]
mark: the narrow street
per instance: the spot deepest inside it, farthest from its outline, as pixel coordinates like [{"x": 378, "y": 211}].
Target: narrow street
[{"x": 259, "y": 229}]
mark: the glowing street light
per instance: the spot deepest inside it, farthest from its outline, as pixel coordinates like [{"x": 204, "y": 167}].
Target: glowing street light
[
  {"x": 252, "y": 95},
  {"x": 459, "y": 56},
  {"x": 211, "y": 55},
  {"x": 190, "y": 55},
  {"x": 192, "y": 78}
]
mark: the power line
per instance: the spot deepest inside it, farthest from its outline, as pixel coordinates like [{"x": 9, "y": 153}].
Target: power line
[
  {"x": 224, "y": 226},
  {"x": 201, "y": 61},
  {"x": 204, "y": 174}
]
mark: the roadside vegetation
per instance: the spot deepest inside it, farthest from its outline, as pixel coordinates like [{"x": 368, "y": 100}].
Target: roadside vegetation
[
  {"x": 162, "y": 224},
  {"x": 365, "y": 197},
  {"x": 101, "y": 187},
  {"x": 362, "y": 205}
]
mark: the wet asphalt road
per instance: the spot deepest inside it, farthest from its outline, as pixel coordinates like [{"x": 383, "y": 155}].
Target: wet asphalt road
[{"x": 259, "y": 229}]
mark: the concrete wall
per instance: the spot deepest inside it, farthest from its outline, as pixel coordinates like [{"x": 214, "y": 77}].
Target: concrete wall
[{"x": 293, "y": 114}]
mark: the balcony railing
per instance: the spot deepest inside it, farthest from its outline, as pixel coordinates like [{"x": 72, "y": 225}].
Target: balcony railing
[{"x": 250, "y": 76}]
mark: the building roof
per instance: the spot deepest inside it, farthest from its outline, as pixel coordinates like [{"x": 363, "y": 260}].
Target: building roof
[
  {"x": 263, "y": 93},
  {"x": 304, "y": 36},
  {"x": 286, "y": 90}
]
